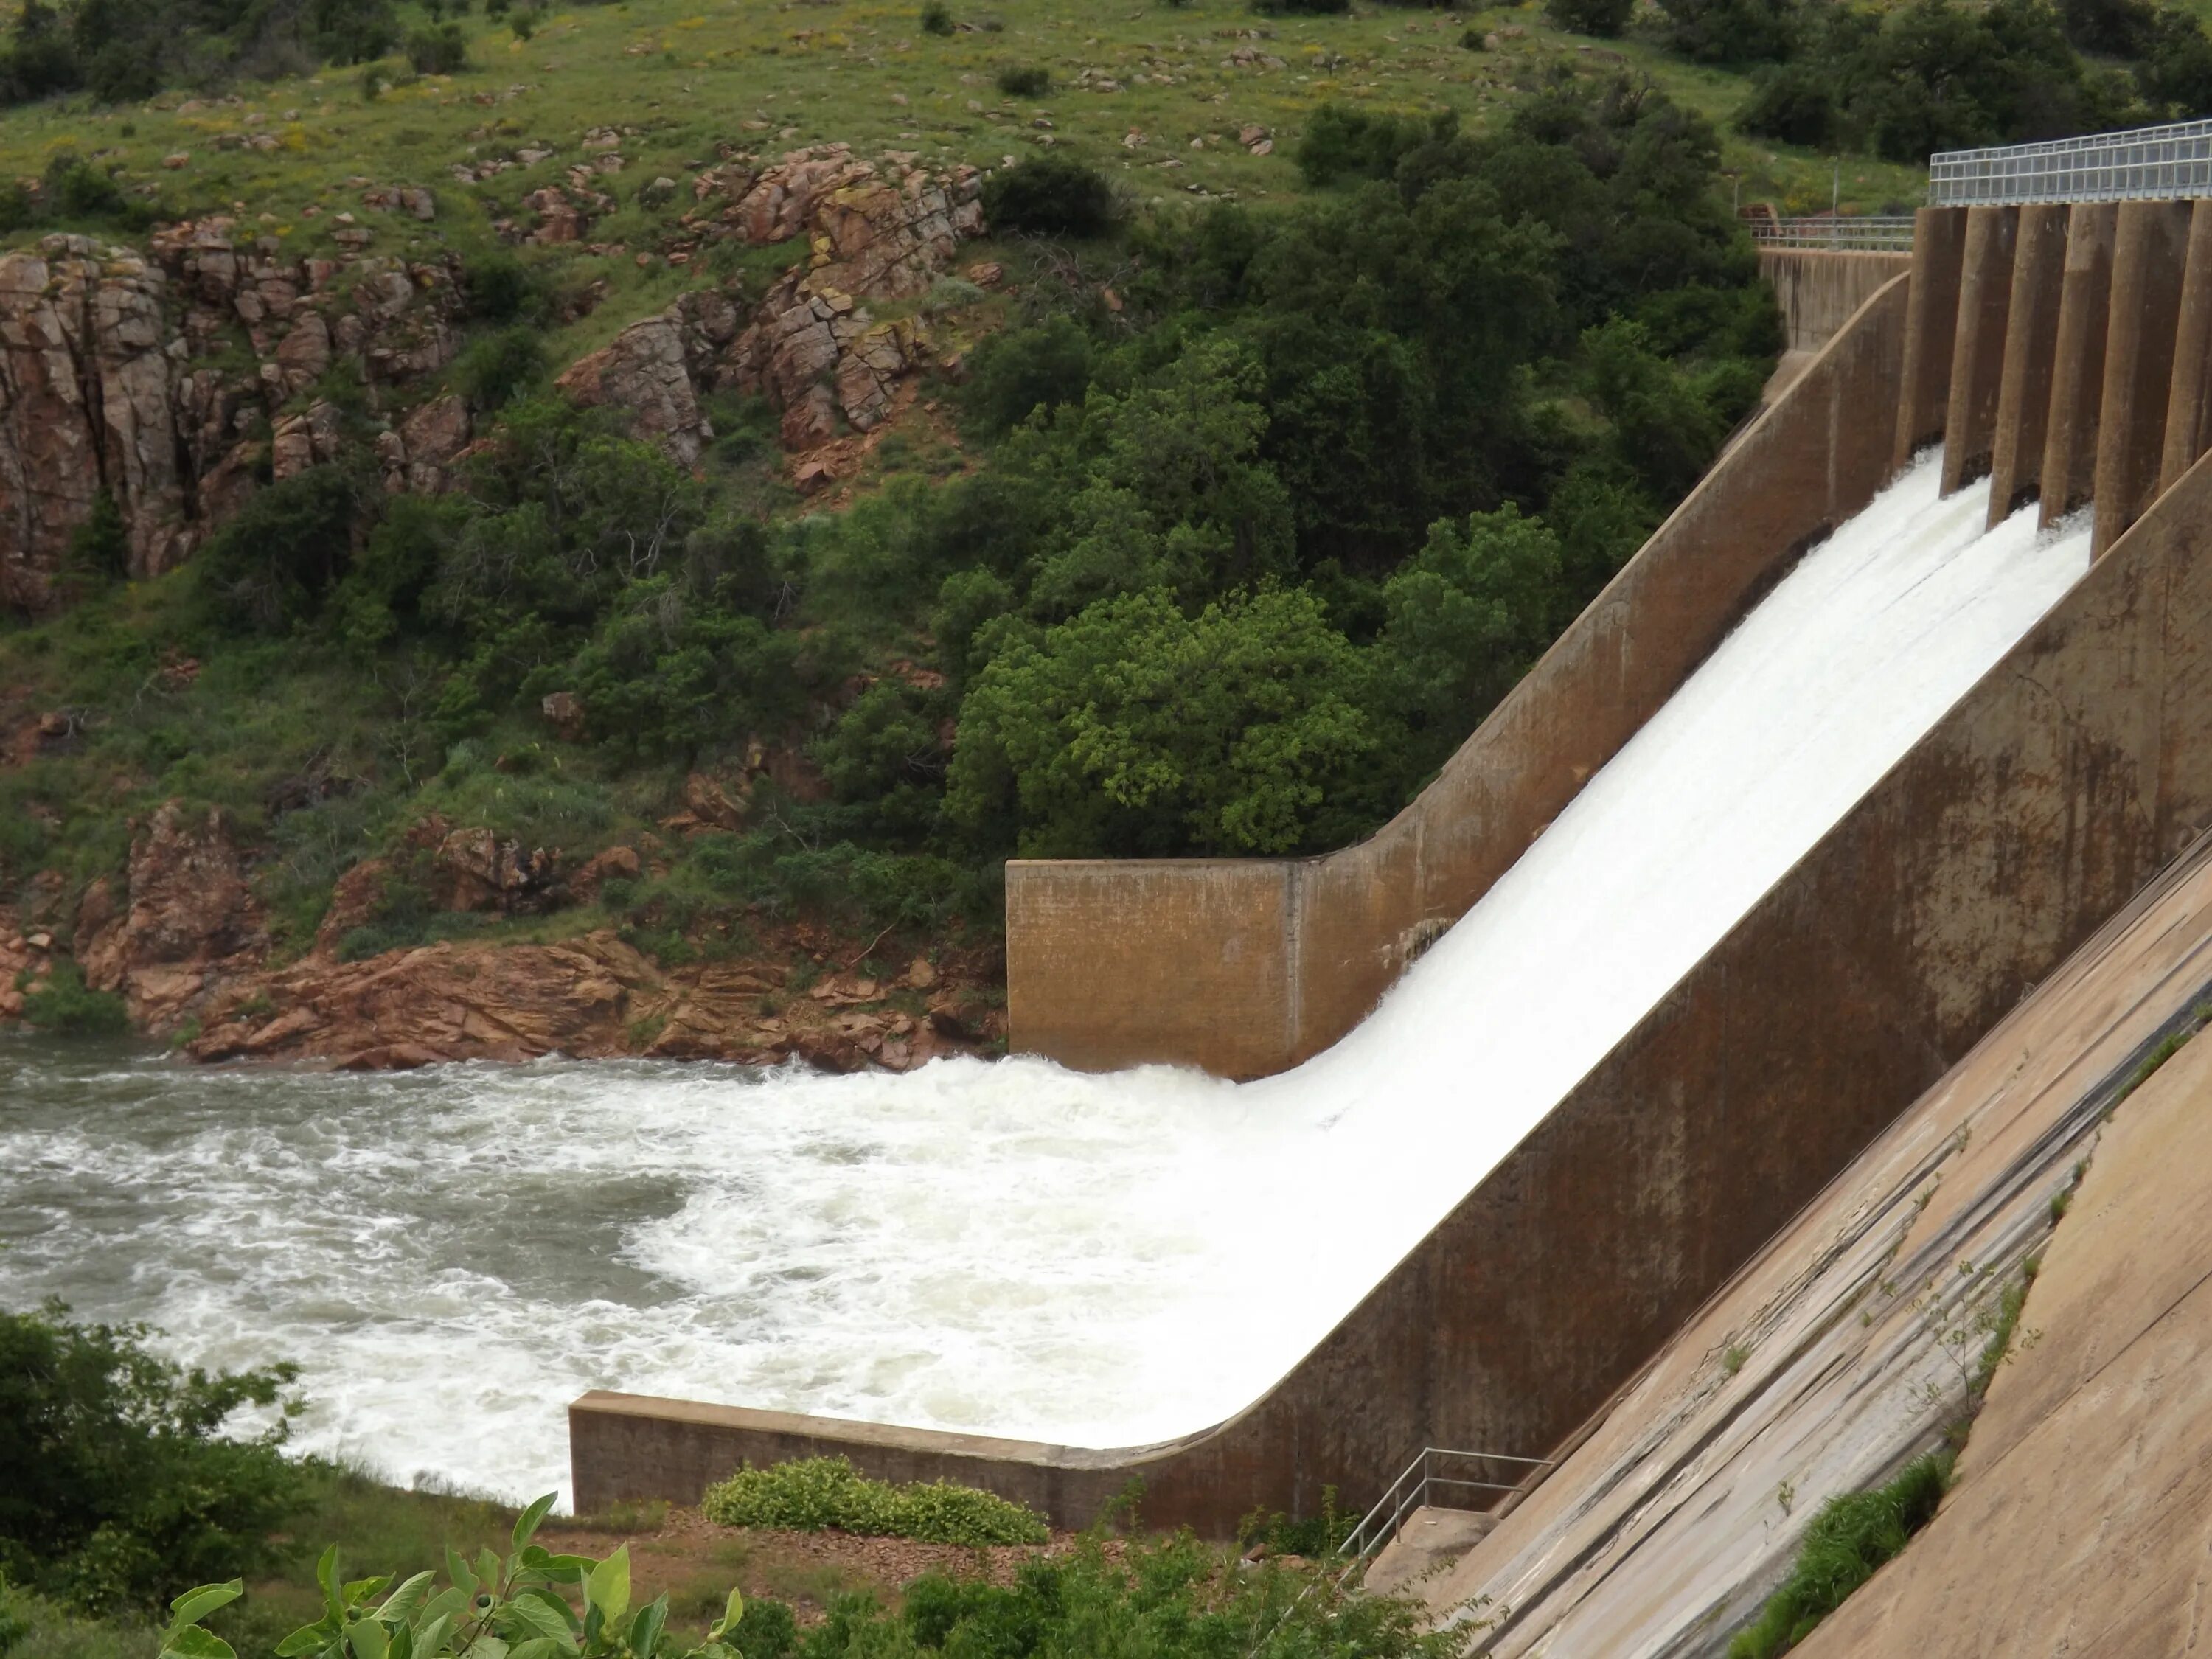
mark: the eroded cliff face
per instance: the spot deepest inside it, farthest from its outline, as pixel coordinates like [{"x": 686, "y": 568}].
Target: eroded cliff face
[
  {"x": 161, "y": 378},
  {"x": 875, "y": 231},
  {"x": 173, "y": 380}
]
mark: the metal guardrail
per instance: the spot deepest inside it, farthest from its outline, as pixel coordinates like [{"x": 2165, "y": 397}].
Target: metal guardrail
[
  {"x": 1872, "y": 233},
  {"x": 1413, "y": 1490},
  {"x": 2144, "y": 164}
]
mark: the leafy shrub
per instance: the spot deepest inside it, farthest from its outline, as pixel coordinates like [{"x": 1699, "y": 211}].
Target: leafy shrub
[
  {"x": 117, "y": 1486},
  {"x": 441, "y": 49},
  {"x": 1173, "y": 1599},
  {"x": 1303, "y": 7},
  {"x": 270, "y": 566},
  {"x": 1050, "y": 196},
  {"x": 812, "y": 1493},
  {"x": 1025, "y": 81},
  {"x": 1604, "y": 18},
  {"x": 501, "y": 288},
  {"x": 1852, "y": 1536},
  {"x": 936, "y": 19},
  {"x": 499, "y": 367},
  {"x": 1796, "y": 104},
  {"x": 1732, "y": 31},
  {"x": 493, "y": 1606},
  {"x": 1340, "y": 141},
  {"x": 62, "y": 1002},
  {"x": 2175, "y": 77},
  {"x": 1021, "y": 370}
]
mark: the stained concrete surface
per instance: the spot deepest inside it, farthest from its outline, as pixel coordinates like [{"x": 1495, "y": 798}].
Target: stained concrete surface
[
  {"x": 1841, "y": 1350},
  {"x": 2080, "y": 1521}
]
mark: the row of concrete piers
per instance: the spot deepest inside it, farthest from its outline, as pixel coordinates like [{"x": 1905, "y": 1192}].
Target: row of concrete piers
[{"x": 2061, "y": 350}]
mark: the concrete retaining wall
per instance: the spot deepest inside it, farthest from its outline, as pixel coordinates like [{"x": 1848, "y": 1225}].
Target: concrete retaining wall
[
  {"x": 1820, "y": 290},
  {"x": 1248, "y": 966}
]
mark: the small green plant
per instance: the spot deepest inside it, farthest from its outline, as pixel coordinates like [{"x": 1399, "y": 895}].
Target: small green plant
[
  {"x": 811, "y": 1494},
  {"x": 936, "y": 19},
  {"x": 1732, "y": 1359},
  {"x": 1312, "y": 1536},
  {"x": 63, "y": 1003},
  {"x": 523, "y": 21},
  {"x": 1474, "y": 40},
  {"x": 1604, "y": 18},
  {"x": 1025, "y": 81},
  {"x": 1852, "y": 1536},
  {"x": 514, "y": 1607}
]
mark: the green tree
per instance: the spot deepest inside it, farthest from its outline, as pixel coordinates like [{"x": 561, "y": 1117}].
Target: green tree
[
  {"x": 118, "y": 1485},
  {"x": 1134, "y": 729}
]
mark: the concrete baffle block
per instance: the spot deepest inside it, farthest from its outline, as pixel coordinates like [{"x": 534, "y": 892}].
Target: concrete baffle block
[
  {"x": 2188, "y": 417},
  {"x": 2150, "y": 256},
  {"x": 1978, "y": 345},
  {"x": 1931, "y": 324},
  {"x": 2038, "y": 272},
  {"x": 2077, "y": 368}
]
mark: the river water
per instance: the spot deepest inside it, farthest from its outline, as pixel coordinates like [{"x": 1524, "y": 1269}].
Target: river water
[{"x": 453, "y": 1253}]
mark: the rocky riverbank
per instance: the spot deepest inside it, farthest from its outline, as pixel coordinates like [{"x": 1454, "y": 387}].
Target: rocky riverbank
[{"x": 186, "y": 944}]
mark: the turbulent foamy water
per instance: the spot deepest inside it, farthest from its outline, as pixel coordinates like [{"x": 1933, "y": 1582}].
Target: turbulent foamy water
[{"x": 454, "y": 1254}]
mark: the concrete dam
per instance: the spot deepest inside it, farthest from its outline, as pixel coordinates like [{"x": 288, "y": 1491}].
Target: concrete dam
[{"x": 1893, "y": 714}]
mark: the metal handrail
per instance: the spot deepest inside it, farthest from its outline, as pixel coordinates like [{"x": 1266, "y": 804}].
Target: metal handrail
[
  {"x": 1410, "y": 1492},
  {"x": 2161, "y": 163},
  {"x": 1876, "y": 233}
]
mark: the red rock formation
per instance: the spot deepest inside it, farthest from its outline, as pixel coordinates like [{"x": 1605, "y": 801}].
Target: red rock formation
[
  {"x": 105, "y": 383},
  {"x": 187, "y": 923}
]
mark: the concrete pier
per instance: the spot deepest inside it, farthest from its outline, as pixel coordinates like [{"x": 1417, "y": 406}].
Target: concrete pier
[
  {"x": 2023, "y": 416},
  {"x": 1932, "y": 326},
  {"x": 2148, "y": 256},
  {"x": 1978, "y": 349},
  {"x": 2188, "y": 420},
  {"x": 2077, "y": 373}
]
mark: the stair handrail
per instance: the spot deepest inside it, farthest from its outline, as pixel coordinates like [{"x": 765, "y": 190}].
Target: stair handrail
[{"x": 1411, "y": 1491}]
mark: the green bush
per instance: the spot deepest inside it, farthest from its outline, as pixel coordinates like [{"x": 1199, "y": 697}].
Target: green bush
[
  {"x": 63, "y": 1003},
  {"x": 1302, "y": 7},
  {"x": 1604, "y": 18},
  {"x": 1173, "y": 1599},
  {"x": 1020, "y": 370},
  {"x": 1852, "y": 1536},
  {"x": 118, "y": 1486},
  {"x": 1049, "y": 196},
  {"x": 936, "y": 19},
  {"x": 441, "y": 49},
  {"x": 813, "y": 1493},
  {"x": 270, "y": 566},
  {"x": 499, "y": 367},
  {"x": 1025, "y": 81},
  {"x": 1341, "y": 143}
]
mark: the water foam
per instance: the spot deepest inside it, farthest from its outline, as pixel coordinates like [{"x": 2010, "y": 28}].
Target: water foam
[{"x": 1006, "y": 1247}]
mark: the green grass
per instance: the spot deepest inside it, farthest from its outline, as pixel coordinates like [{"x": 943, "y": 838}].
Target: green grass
[
  {"x": 691, "y": 74},
  {"x": 1852, "y": 1537},
  {"x": 815, "y": 1493}
]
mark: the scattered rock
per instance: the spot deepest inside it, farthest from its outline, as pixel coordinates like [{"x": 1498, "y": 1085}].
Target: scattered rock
[{"x": 564, "y": 712}]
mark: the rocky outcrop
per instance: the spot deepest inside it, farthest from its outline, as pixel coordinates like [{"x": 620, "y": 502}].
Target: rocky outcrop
[
  {"x": 185, "y": 923},
  {"x": 656, "y": 370},
  {"x": 588, "y": 998},
  {"x": 85, "y": 405},
  {"x": 884, "y": 231},
  {"x": 116, "y": 378}
]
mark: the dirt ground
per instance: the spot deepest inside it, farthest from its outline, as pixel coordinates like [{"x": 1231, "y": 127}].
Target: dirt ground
[{"x": 696, "y": 1562}]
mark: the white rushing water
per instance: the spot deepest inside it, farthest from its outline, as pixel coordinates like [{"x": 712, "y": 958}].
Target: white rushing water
[{"x": 1011, "y": 1247}]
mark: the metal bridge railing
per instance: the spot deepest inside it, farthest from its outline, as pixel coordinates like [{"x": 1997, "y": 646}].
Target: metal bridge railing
[
  {"x": 2145, "y": 164},
  {"x": 1417, "y": 1488},
  {"x": 1882, "y": 232}
]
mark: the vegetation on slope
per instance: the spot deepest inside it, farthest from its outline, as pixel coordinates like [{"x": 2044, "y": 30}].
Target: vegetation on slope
[{"x": 1342, "y": 356}]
